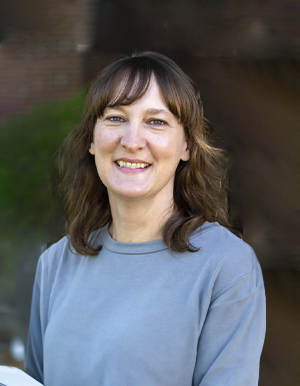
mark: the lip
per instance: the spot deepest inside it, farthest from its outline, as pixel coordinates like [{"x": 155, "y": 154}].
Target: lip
[{"x": 136, "y": 161}]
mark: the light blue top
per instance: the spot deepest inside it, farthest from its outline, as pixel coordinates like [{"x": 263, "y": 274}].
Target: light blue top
[{"x": 139, "y": 315}]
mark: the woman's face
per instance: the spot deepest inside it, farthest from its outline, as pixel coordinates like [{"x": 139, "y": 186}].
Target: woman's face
[{"x": 137, "y": 148}]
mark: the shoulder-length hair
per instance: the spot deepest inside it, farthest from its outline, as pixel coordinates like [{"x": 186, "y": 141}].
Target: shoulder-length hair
[{"x": 200, "y": 186}]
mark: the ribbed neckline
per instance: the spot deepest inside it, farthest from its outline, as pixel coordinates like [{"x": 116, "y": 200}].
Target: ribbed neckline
[{"x": 143, "y": 247}]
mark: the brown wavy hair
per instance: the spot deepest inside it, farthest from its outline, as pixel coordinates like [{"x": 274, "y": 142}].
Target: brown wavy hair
[{"x": 200, "y": 186}]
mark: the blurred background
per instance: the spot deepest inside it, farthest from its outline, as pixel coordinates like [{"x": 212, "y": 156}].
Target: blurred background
[{"x": 245, "y": 59}]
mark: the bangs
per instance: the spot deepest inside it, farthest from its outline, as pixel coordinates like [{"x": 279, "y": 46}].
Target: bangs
[
  {"x": 123, "y": 86},
  {"x": 127, "y": 80},
  {"x": 131, "y": 88}
]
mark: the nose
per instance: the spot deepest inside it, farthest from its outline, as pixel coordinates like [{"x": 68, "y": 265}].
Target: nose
[{"x": 132, "y": 137}]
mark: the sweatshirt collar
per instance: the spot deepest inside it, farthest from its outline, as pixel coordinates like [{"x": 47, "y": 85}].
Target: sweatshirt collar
[{"x": 143, "y": 247}]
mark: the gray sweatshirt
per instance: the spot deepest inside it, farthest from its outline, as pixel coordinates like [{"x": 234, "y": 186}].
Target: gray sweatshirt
[{"x": 140, "y": 315}]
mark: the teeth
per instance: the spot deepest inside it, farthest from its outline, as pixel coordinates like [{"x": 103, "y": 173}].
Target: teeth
[{"x": 133, "y": 165}]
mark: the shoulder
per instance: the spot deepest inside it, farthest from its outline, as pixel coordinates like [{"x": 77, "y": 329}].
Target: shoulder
[
  {"x": 61, "y": 257},
  {"x": 223, "y": 246},
  {"x": 63, "y": 249},
  {"x": 55, "y": 253},
  {"x": 51, "y": 260},
  {"x": 232, "y": 260}
]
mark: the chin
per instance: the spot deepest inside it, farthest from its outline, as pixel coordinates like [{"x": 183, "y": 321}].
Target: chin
[
  {"x": 126, "y": 191},
  {"x": 131, "y": 194}
]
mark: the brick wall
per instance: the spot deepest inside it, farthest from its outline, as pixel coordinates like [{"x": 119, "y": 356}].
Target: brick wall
[{"x": 41, "y": 56}]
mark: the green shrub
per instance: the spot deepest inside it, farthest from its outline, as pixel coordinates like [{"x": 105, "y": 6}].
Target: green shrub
[{"x": 30, "y": 216}]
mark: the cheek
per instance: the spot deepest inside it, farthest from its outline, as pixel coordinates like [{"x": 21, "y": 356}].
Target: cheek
[
  {"x": 105, "y": 142},
  {"x": 161, "y": 142},
  {"x": 167, "y": 148}
]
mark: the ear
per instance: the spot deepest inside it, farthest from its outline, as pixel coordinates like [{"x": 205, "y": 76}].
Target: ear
[
  {"x": 92, "y": 149},
  {"x": 186, "y": 154}
]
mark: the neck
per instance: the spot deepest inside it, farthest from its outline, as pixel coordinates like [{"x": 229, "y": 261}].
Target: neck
[{"x": 138, "y": 220}]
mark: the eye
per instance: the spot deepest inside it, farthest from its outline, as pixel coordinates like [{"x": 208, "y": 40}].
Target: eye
[
  {"x": 115, "y": 118},
  {"x": 157, "y": 122}
]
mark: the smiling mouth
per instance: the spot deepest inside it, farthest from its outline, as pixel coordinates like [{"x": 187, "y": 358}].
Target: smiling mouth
[{"x": 132, "y": 165}]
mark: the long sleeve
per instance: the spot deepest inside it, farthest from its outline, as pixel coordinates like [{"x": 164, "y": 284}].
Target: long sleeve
[
  {"x": 34, "y": 351},
  {"x": 233, "y": 333}
]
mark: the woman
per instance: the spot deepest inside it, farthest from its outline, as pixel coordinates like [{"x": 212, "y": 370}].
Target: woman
[{"x": 149, "y": 287}]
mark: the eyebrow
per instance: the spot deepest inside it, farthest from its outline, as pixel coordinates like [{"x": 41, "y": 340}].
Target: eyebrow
[{"x": 157, "y": 111}]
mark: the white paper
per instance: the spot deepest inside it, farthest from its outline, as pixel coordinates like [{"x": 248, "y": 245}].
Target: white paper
[{"x": 11, "y": 376}]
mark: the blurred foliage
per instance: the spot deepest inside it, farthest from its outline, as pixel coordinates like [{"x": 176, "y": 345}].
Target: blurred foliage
[{"x": 31, "y": 216}]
